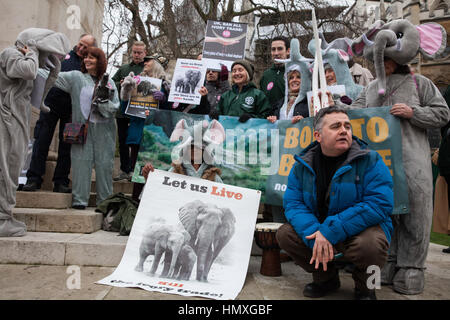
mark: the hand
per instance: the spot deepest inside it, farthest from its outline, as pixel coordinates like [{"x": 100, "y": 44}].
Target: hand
[
  {"x": 158, "y": 95},
  {"x": 402, "y": 110},
  {"x": 330, "y": 98},
  {"x": 214, "y": 114},
  {"x": 203, "y": 91},
  {"x": 323, "y": 250},
  {"x": 244, "y": 117},
  {"x": 296, "y": 119},
  {"x": 147, "y": 112},
  {"x": 272, "y": 118},
  {"x": 146, "y": 170}
]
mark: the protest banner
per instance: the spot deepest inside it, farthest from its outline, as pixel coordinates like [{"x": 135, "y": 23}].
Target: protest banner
[
  {"x": 224, "y": 43},
  {"x": 190, "y": 237},
  {"x": 188, "y": 78},
  {"x": 259, "y": 154},
  {"x": 142, "y": 96}
]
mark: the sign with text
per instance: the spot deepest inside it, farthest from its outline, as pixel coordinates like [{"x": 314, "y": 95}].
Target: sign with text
[
  {"x": 259, "y": 155},
  {"x": 142, "y": 96},
  {"x": 188, "y": 78},
  {"x": 191, "y": 237},
  {"x": 224, "y": 43}
]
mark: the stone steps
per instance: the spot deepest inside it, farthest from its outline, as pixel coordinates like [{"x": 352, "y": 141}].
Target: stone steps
[
  {"x": 99, "y": 248},
  {"x": 55, "y": 220}
]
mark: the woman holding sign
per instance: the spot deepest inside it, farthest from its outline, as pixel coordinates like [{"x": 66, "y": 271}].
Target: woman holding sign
[
  {"x": 154, "y": 68},
  {"x": 291, "y": 108},
  {"x": 244, "y": 100}
]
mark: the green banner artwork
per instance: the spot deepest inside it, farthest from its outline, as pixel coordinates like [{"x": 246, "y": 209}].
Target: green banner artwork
[{"x": 259, "y": 155}]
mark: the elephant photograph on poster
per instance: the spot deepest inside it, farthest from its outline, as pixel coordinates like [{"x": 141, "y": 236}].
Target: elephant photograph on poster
[{"x": 203, "y": 231}]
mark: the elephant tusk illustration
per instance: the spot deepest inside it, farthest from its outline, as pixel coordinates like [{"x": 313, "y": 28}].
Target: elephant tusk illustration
[{"x": 229, "y": 39}]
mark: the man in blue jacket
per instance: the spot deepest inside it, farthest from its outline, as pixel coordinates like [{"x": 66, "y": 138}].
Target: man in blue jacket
[{"x": 338, "y": 200}]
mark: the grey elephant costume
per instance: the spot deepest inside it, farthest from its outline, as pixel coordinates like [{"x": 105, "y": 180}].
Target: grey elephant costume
[
  {"x": 401, "y": 41},
  {"x": 17, "y": 73}
]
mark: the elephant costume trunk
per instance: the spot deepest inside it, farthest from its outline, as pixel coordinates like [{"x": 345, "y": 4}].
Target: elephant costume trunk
[
  {"x": 50, "y": 80},
  {"x": 384, "y": 38}
]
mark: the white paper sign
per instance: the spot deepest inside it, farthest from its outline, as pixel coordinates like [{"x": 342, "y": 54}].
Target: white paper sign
[
  {"x": 220, "y": 221},
  {"x": 188, "y": 78},
  {"x": 336, "y": 91}
]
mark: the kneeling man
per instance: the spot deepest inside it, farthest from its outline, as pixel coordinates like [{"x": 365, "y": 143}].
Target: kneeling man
[{"x": 338, "y": 200}]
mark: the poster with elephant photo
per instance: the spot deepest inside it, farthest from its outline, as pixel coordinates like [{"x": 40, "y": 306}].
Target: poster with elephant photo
[
  {"x": 142, "y": 96},
  {"x": 188, "y": 78},
  {"x": 190, "y": 237}
]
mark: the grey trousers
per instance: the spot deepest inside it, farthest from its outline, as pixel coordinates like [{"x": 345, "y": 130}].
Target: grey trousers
[{"x": 363, "y": 250}]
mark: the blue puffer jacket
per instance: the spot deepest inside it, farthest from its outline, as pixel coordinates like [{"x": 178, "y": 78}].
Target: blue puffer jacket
[{"x": 361, "y": 195}]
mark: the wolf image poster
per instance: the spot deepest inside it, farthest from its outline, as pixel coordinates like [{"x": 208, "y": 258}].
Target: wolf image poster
[{"x": 190, "y": 237}]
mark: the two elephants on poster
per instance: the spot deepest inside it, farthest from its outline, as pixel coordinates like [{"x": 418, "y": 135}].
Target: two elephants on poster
[{"x": 259, "y": 155}]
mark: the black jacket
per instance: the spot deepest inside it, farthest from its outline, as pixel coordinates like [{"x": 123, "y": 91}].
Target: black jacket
[{"x": 300, "y": 109}]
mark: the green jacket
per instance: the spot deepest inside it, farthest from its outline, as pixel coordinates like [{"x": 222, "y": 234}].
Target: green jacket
[
  {"x": 272, "y": 84},
  {"x": 119, "y": 212},
  {"x": 250, "y": 100},
  {"x": 121, "y": 74}
]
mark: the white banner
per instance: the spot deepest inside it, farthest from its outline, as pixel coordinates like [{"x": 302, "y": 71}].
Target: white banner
[{"x": 190, "y": 237}]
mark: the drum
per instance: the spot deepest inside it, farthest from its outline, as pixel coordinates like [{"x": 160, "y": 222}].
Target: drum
[{"x": 266, "y": 240}]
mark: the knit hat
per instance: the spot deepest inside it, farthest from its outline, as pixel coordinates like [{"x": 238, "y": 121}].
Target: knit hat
[
  {"x": 159, "y": 58},
  {"x": 247, "y": 65}
]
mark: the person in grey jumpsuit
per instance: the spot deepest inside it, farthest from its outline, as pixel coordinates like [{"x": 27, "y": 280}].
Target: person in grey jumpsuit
[
  {"x": 19, "y": 65},
  {"x": 98, "y": 151}
]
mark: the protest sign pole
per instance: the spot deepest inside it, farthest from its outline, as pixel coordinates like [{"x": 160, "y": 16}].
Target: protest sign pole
[{"x": 318, "y": 72}]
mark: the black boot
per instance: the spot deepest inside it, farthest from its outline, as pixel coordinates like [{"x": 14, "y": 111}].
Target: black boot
[
  {"x": 317, "y": 290},
  {"x": 31, "y": 186},
  {"x": 365, "y": 295},
  {"x": 446, "y": 250},
  {"x": 61, "y": 188}
]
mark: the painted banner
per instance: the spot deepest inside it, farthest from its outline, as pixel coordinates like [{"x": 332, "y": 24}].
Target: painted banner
[
  {"x": 190, "y": 237},
  {"x": 259, "y": 154},
  {"x": 188, "y": 78},
  {"x": 224, "y": 43}
]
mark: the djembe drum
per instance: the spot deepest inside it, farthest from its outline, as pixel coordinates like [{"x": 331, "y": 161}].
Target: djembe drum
[{"x": 266, "y": 240}]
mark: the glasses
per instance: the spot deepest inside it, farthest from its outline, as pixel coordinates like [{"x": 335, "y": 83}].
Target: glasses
[{"x": 208, "y": 71}]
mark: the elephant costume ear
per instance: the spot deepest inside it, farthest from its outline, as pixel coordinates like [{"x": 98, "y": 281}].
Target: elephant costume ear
[
  {"x": 215, "y": 133},
  {"x": 358, "y": 45},
  {"x": 433, "y": 39},
  {"x": 188, "y": 215},
  {"x": 179, "y": 131}
]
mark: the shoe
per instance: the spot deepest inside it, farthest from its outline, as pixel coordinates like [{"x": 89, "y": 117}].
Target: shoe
[
  {"x": 122, "y": 176},
  {"x": 446, "y": 250},
  {"x": 61, "y": 188},
  {"x": 318, "y": 290},
  {"x": 78, "y": 207},
  {"x": 365, "y": 295},
  {"x": 31, "y": 186}
]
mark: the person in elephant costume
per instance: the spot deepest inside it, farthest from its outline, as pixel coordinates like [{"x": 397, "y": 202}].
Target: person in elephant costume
[
  {"x": 418, "y": 104},
  {"x": 35, "y": 48}
]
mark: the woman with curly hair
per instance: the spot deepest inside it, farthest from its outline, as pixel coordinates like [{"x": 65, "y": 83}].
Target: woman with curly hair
[{"x": 98, "y": 151}]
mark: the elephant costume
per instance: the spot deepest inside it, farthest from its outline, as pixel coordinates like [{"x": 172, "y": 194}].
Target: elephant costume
[
  {"x": 161, "y": 238},
  {"x": 401, "y": 41},
  {"x": 211, "y": 228},
  {"x": 336, "y": 54},
  {"x": 17, "y": 72}
]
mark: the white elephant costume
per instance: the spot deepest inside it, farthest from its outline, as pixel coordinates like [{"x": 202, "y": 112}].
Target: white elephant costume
[
  {"x": 100, "y": 143},
  {"x": 401, "y": 41},
  {"x": 17, "y": 73}
]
